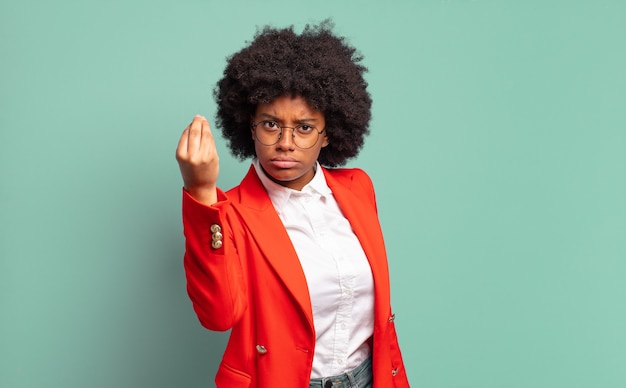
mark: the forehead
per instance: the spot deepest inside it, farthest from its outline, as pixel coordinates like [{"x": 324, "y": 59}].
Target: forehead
[{"x": 288, "y": 107}]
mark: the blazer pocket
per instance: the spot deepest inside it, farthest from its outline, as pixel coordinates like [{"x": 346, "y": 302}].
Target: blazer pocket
[{"x": 229, "y": 377}]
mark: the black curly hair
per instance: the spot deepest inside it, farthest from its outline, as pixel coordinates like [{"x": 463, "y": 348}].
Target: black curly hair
[{"x": 317, "y": 65}]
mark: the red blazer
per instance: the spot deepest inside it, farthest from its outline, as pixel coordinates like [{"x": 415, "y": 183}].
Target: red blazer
[{"x": 253, "y": 284}]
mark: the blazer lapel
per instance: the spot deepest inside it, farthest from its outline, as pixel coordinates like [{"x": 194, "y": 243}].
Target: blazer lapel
[{"x": 272, "y": 239}]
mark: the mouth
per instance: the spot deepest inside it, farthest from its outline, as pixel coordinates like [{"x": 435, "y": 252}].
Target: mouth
[{"x": 283, "y": 162}]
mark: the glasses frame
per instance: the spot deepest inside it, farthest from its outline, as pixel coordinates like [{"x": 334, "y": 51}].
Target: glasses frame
[{"x": 280, "y": 134}]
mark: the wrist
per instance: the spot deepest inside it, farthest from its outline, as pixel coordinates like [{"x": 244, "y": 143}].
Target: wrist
[{"x": 206, "y": 195}]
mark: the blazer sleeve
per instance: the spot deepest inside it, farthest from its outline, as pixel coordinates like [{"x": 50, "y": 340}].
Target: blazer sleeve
[{"x": 214, "y": 272}]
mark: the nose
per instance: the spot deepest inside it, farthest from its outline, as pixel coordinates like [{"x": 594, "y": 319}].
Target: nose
[{"x": 286, "y": 139}]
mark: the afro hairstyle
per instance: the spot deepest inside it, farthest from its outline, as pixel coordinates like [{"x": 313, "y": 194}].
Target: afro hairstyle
[{"x": 317, "y": 65}]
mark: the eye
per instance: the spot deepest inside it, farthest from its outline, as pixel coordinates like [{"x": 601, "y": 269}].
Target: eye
[
  {"x": 269, "y": 125},
  {"x": 305, "y": 129}
]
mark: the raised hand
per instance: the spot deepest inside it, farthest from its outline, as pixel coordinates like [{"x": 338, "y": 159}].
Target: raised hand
[{"x": 198, "y": 161}]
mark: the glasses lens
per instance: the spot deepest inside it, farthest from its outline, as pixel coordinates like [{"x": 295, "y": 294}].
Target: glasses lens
[
  {"x": 269, "y": 133},
  {"x": 305, "y": 136}
]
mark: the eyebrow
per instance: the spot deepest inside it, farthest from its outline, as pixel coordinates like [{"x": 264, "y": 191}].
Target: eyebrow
[{"x": 274, "y": 118}]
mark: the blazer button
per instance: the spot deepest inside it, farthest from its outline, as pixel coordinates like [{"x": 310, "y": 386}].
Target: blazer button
[
  {"x": 392, "y": 318},
  {"x": 261, "y": 349},
  {"x": 216, "y": 237},
  {"x": 394, "y": 372}
]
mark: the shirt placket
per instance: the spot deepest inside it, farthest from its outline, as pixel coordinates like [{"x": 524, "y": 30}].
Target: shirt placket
[{"x": 345, "y": 277}]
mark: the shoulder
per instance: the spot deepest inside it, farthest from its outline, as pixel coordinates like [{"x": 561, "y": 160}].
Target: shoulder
[
  {"x": 350, "y": 176},
  {"x": 351, "y": 181}
]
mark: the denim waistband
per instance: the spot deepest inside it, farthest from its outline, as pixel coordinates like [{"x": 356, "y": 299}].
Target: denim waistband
[{"x": 361, "y": 376}]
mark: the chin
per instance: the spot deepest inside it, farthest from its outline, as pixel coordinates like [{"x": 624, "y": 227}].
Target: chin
[{"x": 284, "y": 178}]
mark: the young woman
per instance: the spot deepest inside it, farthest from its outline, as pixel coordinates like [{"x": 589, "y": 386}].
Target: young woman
[{"x": 292, "y": 260}]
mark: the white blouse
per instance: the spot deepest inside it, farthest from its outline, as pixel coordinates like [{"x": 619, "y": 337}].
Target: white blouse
[{"x": 337, "y": 272}]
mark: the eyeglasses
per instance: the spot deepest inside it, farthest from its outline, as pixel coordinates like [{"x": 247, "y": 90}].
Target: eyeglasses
[{"x": 268, "y": 133}]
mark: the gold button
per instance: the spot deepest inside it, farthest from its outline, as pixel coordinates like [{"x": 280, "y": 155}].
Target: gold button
[
  {"x": 261, "y": 349},
  {"x": 215, "y": 228},
  {"x": 394, "y": 372},
  {"x": 392, "y": 318},
  {"x": 216, "y": 244},
  {"x": 217, "y": 236}
]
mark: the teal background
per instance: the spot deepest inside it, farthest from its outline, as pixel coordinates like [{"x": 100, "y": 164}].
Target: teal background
[{"x": 497, "y": 150}]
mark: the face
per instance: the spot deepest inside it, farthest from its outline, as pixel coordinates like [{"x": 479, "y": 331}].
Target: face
[{"x": 284, "y": 162}]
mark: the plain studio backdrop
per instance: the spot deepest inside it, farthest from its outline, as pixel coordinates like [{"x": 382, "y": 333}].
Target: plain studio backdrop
[{"x": 497, "y": 148}]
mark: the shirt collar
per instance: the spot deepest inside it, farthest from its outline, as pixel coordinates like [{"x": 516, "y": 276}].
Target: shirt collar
[{"x": 281, "y": 194}]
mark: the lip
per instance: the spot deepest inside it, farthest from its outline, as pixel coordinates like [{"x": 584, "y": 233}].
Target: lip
[{"x": 283, "y": 162}]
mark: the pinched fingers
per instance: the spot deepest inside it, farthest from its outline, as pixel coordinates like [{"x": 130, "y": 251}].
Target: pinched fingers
[
  {"x": 197, "y": 157},
  {"x": 196, "y": 143}
]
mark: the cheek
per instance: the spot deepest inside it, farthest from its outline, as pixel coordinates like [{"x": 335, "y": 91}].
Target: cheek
[{"x": 315, "y": 155}]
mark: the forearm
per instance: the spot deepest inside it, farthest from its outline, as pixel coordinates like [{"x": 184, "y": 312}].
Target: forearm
[{"x": 214, "y": 274}]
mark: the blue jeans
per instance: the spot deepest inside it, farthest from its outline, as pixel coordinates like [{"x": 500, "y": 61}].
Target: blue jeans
[{"x": 359, "y": 377}]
